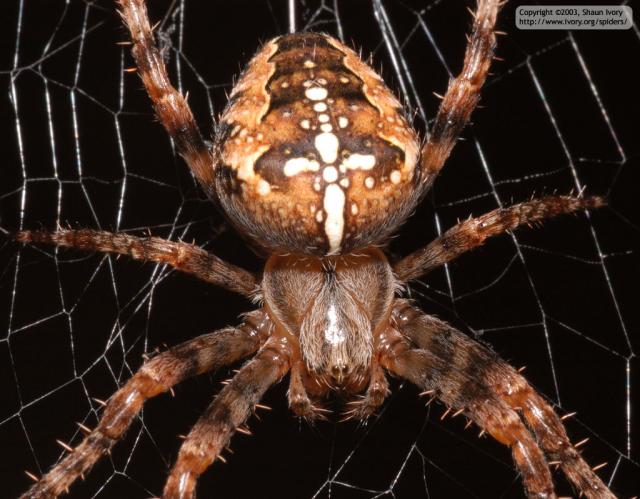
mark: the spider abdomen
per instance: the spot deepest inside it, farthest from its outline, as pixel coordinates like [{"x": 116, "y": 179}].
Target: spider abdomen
[{"x": 315, "y": 155}]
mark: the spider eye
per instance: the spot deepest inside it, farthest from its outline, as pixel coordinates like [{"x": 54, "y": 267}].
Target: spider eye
[{"x": 315, "y": 155}]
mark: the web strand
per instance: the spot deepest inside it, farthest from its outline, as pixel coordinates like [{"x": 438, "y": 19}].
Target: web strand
[{"x": 84, "y": 151}]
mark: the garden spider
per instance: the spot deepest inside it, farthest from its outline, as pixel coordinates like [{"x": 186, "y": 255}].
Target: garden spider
[{"x": 314, "y": 162}]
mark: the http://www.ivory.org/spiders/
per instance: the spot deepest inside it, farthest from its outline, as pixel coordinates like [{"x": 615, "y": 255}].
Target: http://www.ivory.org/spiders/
[{"x": 314, "y": 162}]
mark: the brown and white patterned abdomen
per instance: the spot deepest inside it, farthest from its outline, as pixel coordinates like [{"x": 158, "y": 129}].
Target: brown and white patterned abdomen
[{"x": 315, "y": 155}]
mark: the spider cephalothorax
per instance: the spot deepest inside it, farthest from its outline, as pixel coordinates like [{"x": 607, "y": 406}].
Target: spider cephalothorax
[
  {"x": 314, "y": 162},
  {"x": 316, "y": 156},
  {"x": 351, "y": 297}
]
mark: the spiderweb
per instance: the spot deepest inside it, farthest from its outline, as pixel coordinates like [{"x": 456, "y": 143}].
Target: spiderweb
[{"x": 80, "y": 148}]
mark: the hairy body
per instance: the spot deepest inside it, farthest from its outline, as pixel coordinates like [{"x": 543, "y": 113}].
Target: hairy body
[{"x": 315, "y": 163}]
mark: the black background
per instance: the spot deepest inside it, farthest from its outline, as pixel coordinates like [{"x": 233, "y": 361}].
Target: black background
[{"x": 49, "y": 368}]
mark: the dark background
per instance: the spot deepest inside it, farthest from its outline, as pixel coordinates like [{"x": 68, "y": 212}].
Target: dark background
[{"x": 74, "y": 326}]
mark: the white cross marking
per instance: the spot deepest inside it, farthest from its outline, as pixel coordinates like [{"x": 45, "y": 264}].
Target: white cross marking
[
  {"x": 296, "y": 165},
  {"x": 334, "y": 224},
  {"x": 359, "y": 162},
  {"x": 327, "y": 145}
]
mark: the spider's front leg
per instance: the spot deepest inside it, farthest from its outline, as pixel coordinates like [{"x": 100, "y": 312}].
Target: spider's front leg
[
  {"x": 156, "y": 376},
  {"x": 467, "y": 376},
  {"x": 225, "y": 415}
]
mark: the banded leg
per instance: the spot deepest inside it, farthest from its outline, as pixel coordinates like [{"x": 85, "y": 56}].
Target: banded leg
[
  {"x": 227, "y": 412},
  {"x": 552, "y": 436},
  {"x": 466, "y": 375},
  {"x": 473, "y": 232},
  {"x": 170, "y": 106},
  {"x": 463, "y": 92},
  {"x": 184, "y": 257},
  {"x": 156, "y": 376}
]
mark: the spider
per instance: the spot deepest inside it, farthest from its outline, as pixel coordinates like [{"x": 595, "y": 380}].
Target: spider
[{"x": 314, "y": 162}]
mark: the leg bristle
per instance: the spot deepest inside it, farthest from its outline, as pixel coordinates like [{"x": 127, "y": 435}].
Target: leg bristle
[
  {"x": 581, "y": 442},
  {"x": 84, "y": 428},
  {"x": 65, "y": 446},
  {"x": 31, "y": 475},
  {"x": 244, "y": 430}
]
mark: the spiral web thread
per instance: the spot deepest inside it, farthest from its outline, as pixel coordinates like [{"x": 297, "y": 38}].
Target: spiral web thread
[{"x": 61, "y": 118}]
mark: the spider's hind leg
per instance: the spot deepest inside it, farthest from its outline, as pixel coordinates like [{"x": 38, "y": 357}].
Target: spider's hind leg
[
  {"x": 170, "y": 105},
  {"x": 463, "y": 93}
]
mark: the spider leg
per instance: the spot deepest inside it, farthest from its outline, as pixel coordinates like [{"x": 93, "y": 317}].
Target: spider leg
[
  {"x": 224, "y": 416},
  {"x": 170, "y": 106},
  {"x": 463, "y": 92},
  {"x": 552, "y": 436},
  {"x": 467, "y": 376},
  {"x": 157, "y": 375},
  {"x": 492, "y": 415},
  {"x": 472, "y": 233},
  {"x": 184, "y": 257}
]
